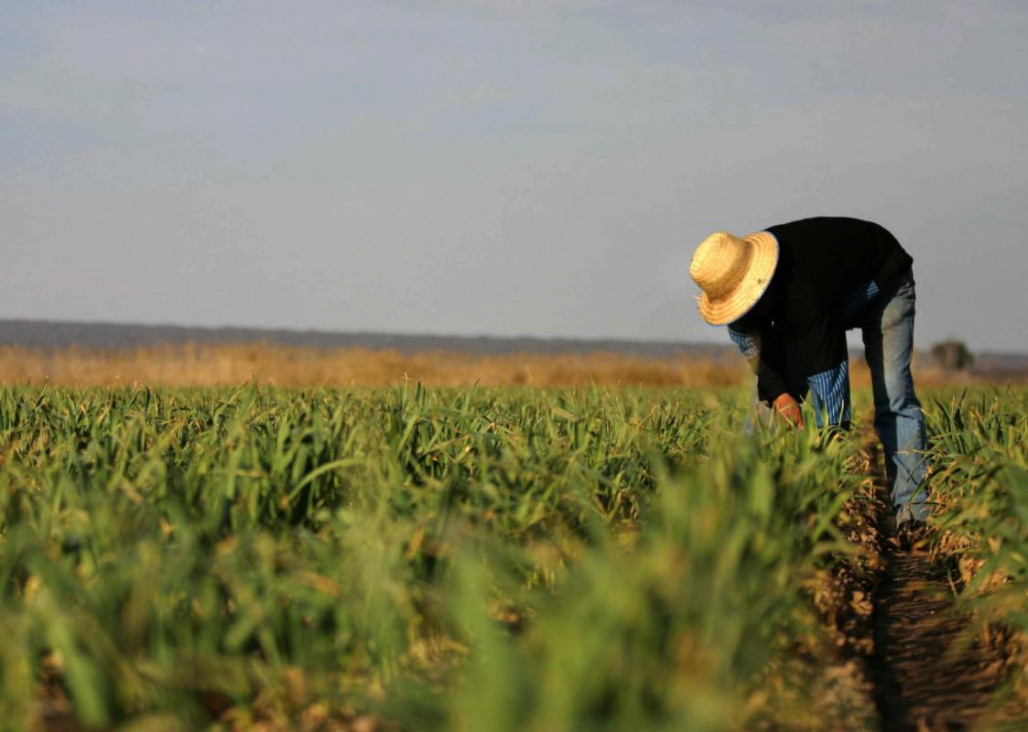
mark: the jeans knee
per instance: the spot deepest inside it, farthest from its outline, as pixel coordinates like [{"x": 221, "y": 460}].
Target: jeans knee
[{"x": 898, "y": 396}]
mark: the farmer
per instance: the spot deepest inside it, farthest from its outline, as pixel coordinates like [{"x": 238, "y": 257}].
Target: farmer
[{"x": 788, "y": 295}]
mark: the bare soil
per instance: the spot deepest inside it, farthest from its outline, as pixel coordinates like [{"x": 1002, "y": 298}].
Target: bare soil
[
  {"x": 931, "y": 670},
  {"x": 930, "y": 665}
]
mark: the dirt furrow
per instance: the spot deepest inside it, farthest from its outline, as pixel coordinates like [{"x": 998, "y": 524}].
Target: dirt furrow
[{"x": 930, "y": 671}]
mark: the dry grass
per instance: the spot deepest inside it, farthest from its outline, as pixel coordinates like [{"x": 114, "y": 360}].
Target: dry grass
[
  {"x": 193, "y": 365},
  {"x": 234, "y": 364}
]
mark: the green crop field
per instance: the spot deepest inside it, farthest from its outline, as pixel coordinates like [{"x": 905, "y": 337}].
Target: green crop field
[{"x": 478, "y": 559}]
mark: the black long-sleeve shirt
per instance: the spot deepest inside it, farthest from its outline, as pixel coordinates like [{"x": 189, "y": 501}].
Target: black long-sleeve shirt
[{"x": 797, "y": 326}]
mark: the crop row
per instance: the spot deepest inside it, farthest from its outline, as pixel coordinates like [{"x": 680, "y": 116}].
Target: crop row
[
  {"x": 476, "y": 559},
  {"x": 980, "y": 446}
]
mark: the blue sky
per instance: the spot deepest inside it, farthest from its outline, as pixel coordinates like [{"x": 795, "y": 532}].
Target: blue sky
[{"x": 498, "y": 167}]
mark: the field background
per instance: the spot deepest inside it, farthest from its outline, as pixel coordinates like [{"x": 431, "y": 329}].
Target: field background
[
  {"x": 70, "y": 353},
  {"x": 406, "y": 558},
  {"x": 476, "y": 558},
  {"x": 275, "y": 537},
  {"x": 295, "y": 366}
]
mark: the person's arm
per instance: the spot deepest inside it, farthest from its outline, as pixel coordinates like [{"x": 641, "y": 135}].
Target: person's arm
[
  {"x": 764, "y": 362},
  {"x": 788, "y": 409},
  {"x": 749, "y": 346},
  {"x": 770, "y": 382}
]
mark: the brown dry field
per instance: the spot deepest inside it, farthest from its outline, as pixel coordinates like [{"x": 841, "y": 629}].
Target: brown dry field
[{"x": 193, "y": 365}]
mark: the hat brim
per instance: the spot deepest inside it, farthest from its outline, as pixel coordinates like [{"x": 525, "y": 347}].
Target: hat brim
[{"x": 739, "y": 301}]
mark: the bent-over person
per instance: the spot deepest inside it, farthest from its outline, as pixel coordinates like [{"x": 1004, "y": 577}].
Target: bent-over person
[{"x": 788, "y": 294}]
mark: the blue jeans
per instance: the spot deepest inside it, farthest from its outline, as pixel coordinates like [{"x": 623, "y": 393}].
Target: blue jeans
[{"x": 887, "y": 326}]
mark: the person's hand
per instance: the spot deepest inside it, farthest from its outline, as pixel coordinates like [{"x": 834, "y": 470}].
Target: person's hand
[{"x": 789, "y": 410}]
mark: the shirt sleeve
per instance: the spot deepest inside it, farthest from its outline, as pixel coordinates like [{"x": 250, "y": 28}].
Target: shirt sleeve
[
  {"x": 759, "y": 349},
  {"x": 771, "y": 369},
  {"x": 771, "y": 382},
  {"x": 830, "y": 393},
  {"x": 748, "y": 344}
]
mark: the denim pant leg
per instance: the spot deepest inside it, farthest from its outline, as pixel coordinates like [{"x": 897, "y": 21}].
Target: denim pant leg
[{"x": 888, "y": 331}]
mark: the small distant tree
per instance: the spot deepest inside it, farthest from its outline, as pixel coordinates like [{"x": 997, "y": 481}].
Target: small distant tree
[{"x": 952, "y": 356}]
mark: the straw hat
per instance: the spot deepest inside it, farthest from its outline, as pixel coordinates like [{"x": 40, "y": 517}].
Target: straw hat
[{"x": 733, "y": 273}]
